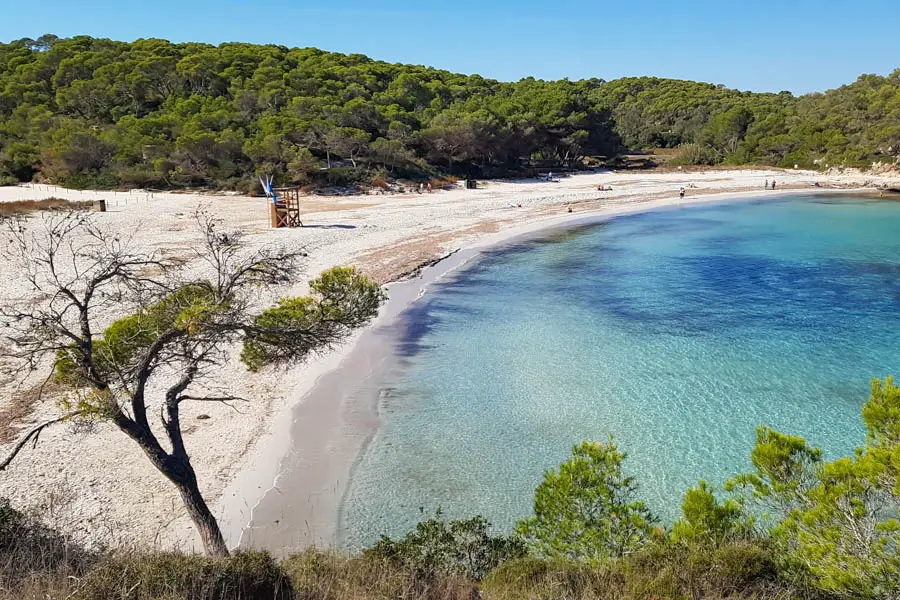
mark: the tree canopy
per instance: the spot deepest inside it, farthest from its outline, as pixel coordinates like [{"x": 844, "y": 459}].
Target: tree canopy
[{"x": 88, "y": 112}]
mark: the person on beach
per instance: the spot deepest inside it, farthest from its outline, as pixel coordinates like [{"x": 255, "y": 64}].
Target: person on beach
[
  {"x": 429, "y": 187},
  {"x": 773, "y": 184},
  {"x": 767, "y": 184},
  {"x": 681, "y": 193}
]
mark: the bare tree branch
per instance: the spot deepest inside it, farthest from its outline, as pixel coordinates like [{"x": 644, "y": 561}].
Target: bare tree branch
[{"x": 33, "y": 435}]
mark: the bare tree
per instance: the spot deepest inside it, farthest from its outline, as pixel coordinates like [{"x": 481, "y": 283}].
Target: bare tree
[{"x": 181, "y": 325}]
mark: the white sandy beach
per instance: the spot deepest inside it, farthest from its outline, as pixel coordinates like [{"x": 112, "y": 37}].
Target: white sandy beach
[{"x": 99, "y": 486}]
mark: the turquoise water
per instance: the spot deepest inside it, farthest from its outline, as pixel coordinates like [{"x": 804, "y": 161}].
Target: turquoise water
[{"x": 676, "y": 331}]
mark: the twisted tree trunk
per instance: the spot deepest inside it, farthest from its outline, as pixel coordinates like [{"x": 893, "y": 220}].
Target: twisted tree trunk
[
  {"x": 178, "y": 469},
  {"x": 204, "y": 521}
]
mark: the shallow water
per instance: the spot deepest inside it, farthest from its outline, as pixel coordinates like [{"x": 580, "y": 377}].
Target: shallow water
[{"x": 675, "y": 331}]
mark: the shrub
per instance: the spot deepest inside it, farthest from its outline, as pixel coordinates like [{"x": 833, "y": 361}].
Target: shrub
[
  {"x": 588, "y": 510},
  {"x": 661, "y": 571},
  {"x": 141, "y": 176},
  {"x": 30, "y": 552},
  {"x": 441, "y": 183},
  {"x": 22, "y": 207},
  {"x": 346, "y": 176},
  {"x": 836, "y": 522},
  {"x": 741, "y": 569},
  {"x": 171, "y": 576},
  {"x": 706, "y": 520},
  {"x": 539, "y": 579},
  {"x": 90, "y": 180},
  {"x": 693, "y": 154},
  {"x": 328, "y": 576},
  {"x": 435, "y": 547}
]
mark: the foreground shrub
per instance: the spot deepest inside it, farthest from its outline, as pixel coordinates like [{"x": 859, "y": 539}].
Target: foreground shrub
[
  {"x": 835, "y": 524},
  {"x": 436, "y": 547},
  {"x": 327, "y": 576},
  {"x": 659, "y": 572},
  {"x": 588, "y": 510},
  {"x": 31, "y": 551},
  {"x": 171, "y": 576},
  {"x": 539, "y": 579},
  {"x": 738, "y": 570},
  {"x": 707, "y": 521}
]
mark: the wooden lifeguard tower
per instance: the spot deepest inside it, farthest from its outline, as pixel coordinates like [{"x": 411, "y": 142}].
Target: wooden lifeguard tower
[{"x": 284, "y": 204}]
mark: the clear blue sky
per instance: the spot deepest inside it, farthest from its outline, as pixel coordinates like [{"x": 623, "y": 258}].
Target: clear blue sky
[{"x": 762, "y": 45}]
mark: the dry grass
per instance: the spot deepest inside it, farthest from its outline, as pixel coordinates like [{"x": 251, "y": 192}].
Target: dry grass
[
  {"x": 443, "y": 183},
  {"x": 328, "y": 576},
  {"x": 24, "y": 207},
  {"x": 35, "y": 561},
  {"x": 738, "y": 572},
  {"x": 741, "y": 571},
  {"x": 18, "y": 407},
  {"x": 244, "y": 576}
]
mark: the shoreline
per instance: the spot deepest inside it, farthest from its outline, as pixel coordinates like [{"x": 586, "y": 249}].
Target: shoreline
[
  {"x": 114, "y": 497},
  {"x": 326, "y": 463}
]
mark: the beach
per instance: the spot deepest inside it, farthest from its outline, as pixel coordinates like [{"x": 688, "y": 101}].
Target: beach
[{"x": 111, "y": 494}]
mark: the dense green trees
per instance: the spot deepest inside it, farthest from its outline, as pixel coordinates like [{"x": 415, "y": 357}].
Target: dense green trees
[{"x": 96, "y": 112}]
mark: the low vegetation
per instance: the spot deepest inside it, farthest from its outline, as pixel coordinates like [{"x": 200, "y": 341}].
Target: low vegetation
[
  {"x": 98, "y": 113},
  {"x": 24, "y": 207},
  {"x": 796, "y": 527}
]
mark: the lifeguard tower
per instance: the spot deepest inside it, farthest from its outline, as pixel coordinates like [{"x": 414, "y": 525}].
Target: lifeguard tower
[{"x": 284, "y": 204}]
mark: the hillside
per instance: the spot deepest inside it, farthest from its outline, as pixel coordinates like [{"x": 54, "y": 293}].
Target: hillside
[{"x": 88, "y": 112}]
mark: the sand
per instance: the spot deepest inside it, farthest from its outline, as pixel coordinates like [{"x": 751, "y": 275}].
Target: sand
[{"x": 99, "y": 487}]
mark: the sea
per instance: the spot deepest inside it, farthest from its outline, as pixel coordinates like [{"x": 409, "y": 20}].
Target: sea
[{"x": 676, "y": 332}]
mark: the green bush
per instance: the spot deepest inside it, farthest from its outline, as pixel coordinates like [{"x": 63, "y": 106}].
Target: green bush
[
  {"x": 588, "y": 510},
  {"x": 741, "y": 570},
  {"x": 171, "y": 576},
  {"x": 343, "y": 177},
  {"x": 90, "y": 180},
  {"x": 707, "y": 521},
  {"x": 436, "y": 547}
]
